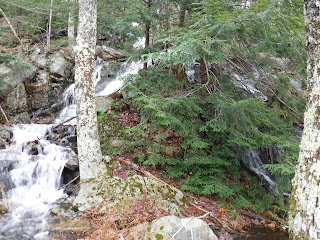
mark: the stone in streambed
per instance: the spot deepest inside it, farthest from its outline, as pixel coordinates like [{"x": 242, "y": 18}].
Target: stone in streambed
[{"x": 172, "y": 227}]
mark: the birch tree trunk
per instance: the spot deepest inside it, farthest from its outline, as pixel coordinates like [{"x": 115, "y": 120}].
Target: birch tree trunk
[
  {"x": 89, "y": 152},
  {"x": 10, "y": 25},
  {"x": 49, "y": 27},
  {"x": 304, "y": 215},
  {"x": 71, "y": 25}
]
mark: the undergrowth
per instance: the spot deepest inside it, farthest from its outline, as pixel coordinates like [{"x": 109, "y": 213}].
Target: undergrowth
[{"x": 204, "y": 138}]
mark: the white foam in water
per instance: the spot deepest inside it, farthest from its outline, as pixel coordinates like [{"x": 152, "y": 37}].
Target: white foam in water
[
  {"x": 35, "y": 179},
  {"x": 69, "y": 110}
]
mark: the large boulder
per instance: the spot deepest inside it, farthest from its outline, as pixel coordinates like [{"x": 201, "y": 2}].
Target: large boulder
[
  {"x": 15, "y": 73},
  {"x": 108, "y": 54},
  {"x": 14, "y": 97},
  {"x": 38, "y": 58},
  {"x": 172, "y": 227},
  {"x": 59, "y": 66},
  {"x": 38, "y": 91},
  {"x": 113, "y": 189}
]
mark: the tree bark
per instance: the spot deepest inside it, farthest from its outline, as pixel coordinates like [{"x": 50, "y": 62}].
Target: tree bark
[
  {"x": 71, "y": 31},
  {"x": 182, "y": 15},
  {"x": 304, "y": 215},
  {"x": 147, "y": 34},
  {"x": 89, "y": 152},
  {"x": 49, "y": 27}
]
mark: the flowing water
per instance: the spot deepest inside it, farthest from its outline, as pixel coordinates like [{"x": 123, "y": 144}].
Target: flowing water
[
  {"x": 31, "y": 166},
  {"x": 33, "y": 178}
]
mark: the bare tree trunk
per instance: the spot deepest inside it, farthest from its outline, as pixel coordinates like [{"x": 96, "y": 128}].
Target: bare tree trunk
[
  {"x": 182, "y": 15},
  {"x": 147, "y": 34},
  {"x": 89, "y": 152},
  {"x": 71, "y": 31},
  {"x": 14, "y": 32},
  {"x": 147, "y": 42},
  {"x": 304, "y": 215},
  {"x": 49, "y": 27}
]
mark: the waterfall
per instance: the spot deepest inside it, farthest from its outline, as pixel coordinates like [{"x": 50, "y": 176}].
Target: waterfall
[
  {"x": 32, "y": 180},
  {"x": 256, "y": 166},
  {"x": 113, "y": 85},
  {"x": 193, "y": 73}
]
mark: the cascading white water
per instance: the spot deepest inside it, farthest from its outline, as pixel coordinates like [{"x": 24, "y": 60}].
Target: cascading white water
[
  {"x": 69, "y": 110},
  {"x": 114, "y": 85},
  {"x": 256, "y": 166},
  {"x": 33, "y": 181}
]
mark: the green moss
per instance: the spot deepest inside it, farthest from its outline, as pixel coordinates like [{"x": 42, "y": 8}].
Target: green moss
[
  {"x": 75, "y": 208},
  {"x": 159, "y": 236},
  {"x": 149, "y": 228},
  {"x": 162, "y": 227}
]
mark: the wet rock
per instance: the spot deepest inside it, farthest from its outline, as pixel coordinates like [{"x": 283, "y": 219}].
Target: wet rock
[
  {"x": 38, "y": 91},
  {"x": 33, "y": 148},
  {"x": 108, "y": 53},
  {"x": 60, "y": 67},
  {"x": 16, "y": 101},
  {"x": 72, "y": 163},
  {"x": 21, "y": 118},
  {"x": 5, "y": 132},
  {"x": 55, "y": 211},
  {"x": 172, "y": 227}
]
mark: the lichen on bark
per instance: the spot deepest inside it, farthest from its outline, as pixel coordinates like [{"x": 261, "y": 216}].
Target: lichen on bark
[
  {"x": 304, "y": 215},
  {"x": 88, "y": 143}
]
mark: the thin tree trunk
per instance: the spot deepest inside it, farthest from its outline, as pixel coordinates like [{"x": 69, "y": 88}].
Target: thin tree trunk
[
  {"x": 89, "y": 152},
  {"x": 147, "y": 34},
  {"x": 12, "y": 29},
  {"x": 71, "y": 31},
  {"x": 147, "y": 42},
  {"x": 182, "y": 16},
  {"x": 49, "y": 27},
  {"x": 304, "y": 215}
]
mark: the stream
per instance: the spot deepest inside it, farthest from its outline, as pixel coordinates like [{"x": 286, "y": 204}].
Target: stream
[{"x": 31, "y": 167}]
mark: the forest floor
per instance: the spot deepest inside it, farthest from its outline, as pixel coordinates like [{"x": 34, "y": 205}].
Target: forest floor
[{"x": 224, "y": 219}]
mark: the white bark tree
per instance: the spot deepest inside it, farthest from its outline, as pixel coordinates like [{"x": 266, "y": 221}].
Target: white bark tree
[
  {"x": 304, "y": 216},
  {"x": 49, "y": 27},
  {"x": 89, "y": 152},
  {"x": 71, "y": 31},
  {"x": 10, "y": 25}
]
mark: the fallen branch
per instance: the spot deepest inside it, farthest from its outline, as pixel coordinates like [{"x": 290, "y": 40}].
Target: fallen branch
[
  {"x": 71, "y": 181},
  {"x": 4, "y": 114}
]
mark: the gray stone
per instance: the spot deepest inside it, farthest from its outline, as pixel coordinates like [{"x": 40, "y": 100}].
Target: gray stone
[
  {"x": 108, "y": 53},
  {"x": 5, "y": 132},
  {"x": 14, "y": 73},
  {"x": 55, "y": 211},
  {"x": 38, "y": 58},
  {"x": 72, "y": 163},
  {"x": 117, "y": 143},
  {"x": 16, "y": 101},
  {"x": 38, "y": 92},
  {"x": 172, "y": 227},
  {"x": 21, "y": 118},
  {"x": 102, "y": 103},
  {"x": 60, "y": 66},
  {"x": 115, "y": 188}
]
